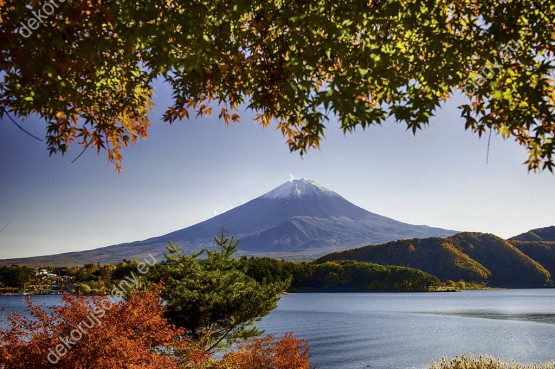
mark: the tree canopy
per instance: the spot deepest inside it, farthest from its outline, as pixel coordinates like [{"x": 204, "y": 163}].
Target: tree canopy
[
  {"x": 214, "y": 299},
  {"x": 87, "y": 67}
]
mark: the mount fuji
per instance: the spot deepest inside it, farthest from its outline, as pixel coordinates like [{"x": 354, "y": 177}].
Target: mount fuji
[{"x": 298, "y": 219}]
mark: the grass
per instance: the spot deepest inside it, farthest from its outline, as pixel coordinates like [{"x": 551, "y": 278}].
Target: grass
[{"x": 484, "y": 362}]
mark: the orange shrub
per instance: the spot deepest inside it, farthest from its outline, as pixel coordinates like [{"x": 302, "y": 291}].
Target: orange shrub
[
  {"x": 92, "y": 333},
  {"x": 96, "y": 333},
  {"x": 261, "y": 353}
]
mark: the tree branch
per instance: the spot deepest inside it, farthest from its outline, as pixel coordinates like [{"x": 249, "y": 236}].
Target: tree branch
[{"x": 21, "y": 128}]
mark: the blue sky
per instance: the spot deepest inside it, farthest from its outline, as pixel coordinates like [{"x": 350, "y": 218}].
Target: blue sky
[{"x": 188, "y": 172}]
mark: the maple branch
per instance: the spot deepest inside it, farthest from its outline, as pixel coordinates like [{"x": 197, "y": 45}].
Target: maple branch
[
  {"x": 21, "y": 128},
  {"x": 80, "y": 154}
]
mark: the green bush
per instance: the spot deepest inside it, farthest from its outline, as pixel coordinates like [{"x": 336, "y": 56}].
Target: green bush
[{"x": 83, "y": 288}]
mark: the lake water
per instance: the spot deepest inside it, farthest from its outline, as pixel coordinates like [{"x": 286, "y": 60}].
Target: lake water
[{"x": 408, "y": 330}]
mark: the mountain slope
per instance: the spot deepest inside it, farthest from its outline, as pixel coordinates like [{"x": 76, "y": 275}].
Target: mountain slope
[
  {"x": 539, "y": 244},
  {"x": 538, "y": 234},
  {"x": 543, "y": 252},
  {"x": 299, "y": 216},
  {"x": 507, "y": 264},
  {"x": 468, "y": 256},
  {"x": 432, "y": 255}
]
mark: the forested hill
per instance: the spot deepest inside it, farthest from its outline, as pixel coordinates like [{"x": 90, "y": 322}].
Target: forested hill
[
  {"x": 475, "y": 257},
  {"x": 539, "y": 234},
  {"x": 341, "y": 275},
  {"x": 541, "y": 251},
  {"x": 539, "y": 244}
]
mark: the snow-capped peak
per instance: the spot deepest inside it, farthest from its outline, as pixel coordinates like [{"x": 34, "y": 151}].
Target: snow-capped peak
[{"x": 297, "y": 188}]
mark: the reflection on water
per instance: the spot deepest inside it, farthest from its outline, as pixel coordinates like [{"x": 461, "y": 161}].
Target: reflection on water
[{"x": 547, "y": 318}]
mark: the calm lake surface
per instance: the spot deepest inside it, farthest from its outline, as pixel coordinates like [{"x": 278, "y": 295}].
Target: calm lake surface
[{"x": 408, "y": 330}]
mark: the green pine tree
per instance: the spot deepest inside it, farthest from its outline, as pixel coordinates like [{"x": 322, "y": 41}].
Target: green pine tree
[{"x": 214, "y": 298}]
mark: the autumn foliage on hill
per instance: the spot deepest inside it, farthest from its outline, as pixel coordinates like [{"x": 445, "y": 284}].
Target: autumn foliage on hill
[{"x": 93, "y": 333}]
